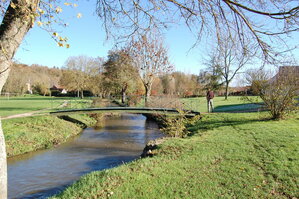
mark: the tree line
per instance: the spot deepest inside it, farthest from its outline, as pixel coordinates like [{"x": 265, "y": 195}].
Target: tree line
[
  {"x": 141, "y": 67},
  {"x": 99, "y": 77}
]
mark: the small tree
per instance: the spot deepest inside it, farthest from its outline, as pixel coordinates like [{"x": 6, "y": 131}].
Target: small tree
[
  {"x": 279, "y": 92},
  {"x": 210, "y": 78}
]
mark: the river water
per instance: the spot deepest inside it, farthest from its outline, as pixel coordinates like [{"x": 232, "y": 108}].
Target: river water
[{"x": 45, "y": 173}]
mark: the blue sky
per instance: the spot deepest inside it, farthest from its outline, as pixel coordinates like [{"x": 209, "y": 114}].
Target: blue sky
[{"x": 86, "y": 37}]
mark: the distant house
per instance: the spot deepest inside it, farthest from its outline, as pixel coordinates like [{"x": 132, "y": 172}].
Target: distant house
[{"x": 58, "y": 89}]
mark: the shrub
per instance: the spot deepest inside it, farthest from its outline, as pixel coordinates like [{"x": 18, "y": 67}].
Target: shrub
[
  {"x": 177, "y": 126},
  {"x": 278, "y": 92}
]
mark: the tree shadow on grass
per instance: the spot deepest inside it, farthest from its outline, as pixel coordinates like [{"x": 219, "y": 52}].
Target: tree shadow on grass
[
  {"x": 73, "y": 120},
  {"x": 16, "y": 109},
  {"x": 38, "y": 99},
  {"x": 239, "y": 108}
]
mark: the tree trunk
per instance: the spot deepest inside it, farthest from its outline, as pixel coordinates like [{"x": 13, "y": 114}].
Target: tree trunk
[
  {"x": 226, "y": 90},
  {"x": 148, "y": 88},
  {"x": 15, "y": 24},
  {"x": 147, "y": 93},
  {"x": 123, "y": 93},
  {"x": 123, "y": 96},
  {"x": 82, "y": 95},
  {"x": 3, "y": 166}
]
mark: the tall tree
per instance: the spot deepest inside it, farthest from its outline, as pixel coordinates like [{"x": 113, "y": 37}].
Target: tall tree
[
  {"x": 95, "y": 73},
  {"x": 18, "y": 19},
  {"x": 119, "y": 72},
  {"x": 151, "y": 59}
]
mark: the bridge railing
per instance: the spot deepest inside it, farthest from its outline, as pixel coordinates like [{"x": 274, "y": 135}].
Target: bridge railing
[{"x": 163, "y": 101}]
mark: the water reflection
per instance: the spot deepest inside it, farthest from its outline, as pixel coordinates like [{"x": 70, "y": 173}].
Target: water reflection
[{"x": 44, "y": 173}]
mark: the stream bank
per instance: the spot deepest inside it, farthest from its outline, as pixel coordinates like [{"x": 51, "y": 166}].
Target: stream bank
[
  {"x": 46, "y": 172},
  {"x": 23, "y": 135}
]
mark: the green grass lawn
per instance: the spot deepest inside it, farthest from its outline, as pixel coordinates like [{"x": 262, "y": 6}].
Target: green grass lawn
[
  {"x": 233, "y": 103},
  {"x": 230, "y": 155},
  {"x": 17, "y": 105}
]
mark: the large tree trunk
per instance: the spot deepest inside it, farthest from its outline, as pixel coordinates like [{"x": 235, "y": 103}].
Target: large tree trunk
[
  {"x": 16, "y": 23},
  {"x": 3, "y": 167},
  {"x": 123, "y": 93},
  {"x": 147, "y": 93}
]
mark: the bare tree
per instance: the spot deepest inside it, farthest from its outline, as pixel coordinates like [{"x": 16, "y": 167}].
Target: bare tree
[
  {"x": 264, "y": 23},
  {"x": 150, "y": 58},
  {"x": 229, "y": 59}
]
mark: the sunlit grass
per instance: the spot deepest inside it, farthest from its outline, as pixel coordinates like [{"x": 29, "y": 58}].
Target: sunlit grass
[
  {"x": 18, "y": 105},
  {"x": 233, "y": 103}
]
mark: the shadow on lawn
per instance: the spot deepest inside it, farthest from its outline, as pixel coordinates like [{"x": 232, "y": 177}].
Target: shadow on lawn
[
  {"x": 16, "y": 109},
  {"x": 25, "y": 99},
  {"x": 39, "y": 98},
  {"x": 238, "y": 108}
]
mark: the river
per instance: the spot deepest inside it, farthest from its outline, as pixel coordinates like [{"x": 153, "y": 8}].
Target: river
[{"x": 44, "y": 173}]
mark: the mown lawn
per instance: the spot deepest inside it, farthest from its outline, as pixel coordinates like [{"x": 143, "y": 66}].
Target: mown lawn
[
  {"x": 230, "y": 155},
  {"x": 233, "y": 103},
  {"x": 17, "y": 105}
]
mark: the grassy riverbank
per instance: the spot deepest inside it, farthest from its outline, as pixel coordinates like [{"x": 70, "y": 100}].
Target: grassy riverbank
[
  {"x": 240, "y": 155},
  {"x": 23, "y": 135}
]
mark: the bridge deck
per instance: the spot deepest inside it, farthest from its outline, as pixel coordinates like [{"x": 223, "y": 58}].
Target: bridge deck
[{"x": 164, "y": 111}]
